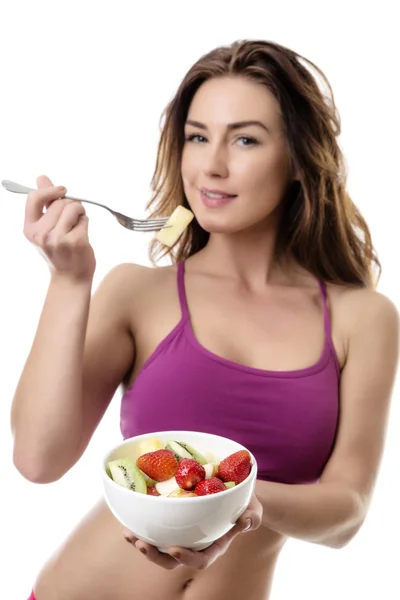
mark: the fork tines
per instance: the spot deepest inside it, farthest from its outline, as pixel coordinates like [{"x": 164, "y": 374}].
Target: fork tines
[
  {"x": 157, "y": 221},
  {"x": 149, "y": 225}
]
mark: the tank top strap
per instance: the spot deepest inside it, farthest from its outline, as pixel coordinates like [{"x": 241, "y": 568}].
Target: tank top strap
[{"x": 182, "y": 291}]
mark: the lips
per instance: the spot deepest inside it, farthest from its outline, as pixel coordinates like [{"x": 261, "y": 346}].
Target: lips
[
  {"x": 219, "y": 192},
  {"x": 215, "y": 202}
]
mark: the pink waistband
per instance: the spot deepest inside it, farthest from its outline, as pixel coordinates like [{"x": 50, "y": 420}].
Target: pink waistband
[{"x": 32, "y": 596}]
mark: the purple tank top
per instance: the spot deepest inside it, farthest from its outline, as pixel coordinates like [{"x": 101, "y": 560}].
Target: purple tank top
[{"x": 287, "y": 419}]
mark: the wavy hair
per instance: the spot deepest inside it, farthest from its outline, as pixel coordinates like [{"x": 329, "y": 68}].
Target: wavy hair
[{"x": 321, "y": 228}]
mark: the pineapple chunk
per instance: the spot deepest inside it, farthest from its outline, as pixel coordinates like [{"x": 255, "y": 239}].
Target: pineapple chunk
[
  {"x": 177, "y": 223},
  {"x": 150, "y": 445}
]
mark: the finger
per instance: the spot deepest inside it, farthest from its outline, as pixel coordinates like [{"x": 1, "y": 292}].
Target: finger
[
  {"x": 129, "y": 536},
  {"x": 191, "y": 558},
  {"x": 221, "y": 546},
  {"x": 79, "y": 235},
  {"x": 43, "y": 181},
  {"x": 68, "y": 219},
  {"x": 155, "y": 556},
  {"x": 46, "y": 230},
  {"x": 246, "y": 524},
  {"x": 81, "y": 229},
  {"x": 251, "y": 519},
  {"x": 38, "y": 199},
  {"x": 49, "y": 219},
  {"x": 204, "y": 558}
]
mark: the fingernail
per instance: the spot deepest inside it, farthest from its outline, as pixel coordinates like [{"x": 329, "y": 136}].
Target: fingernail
[{"x": 247, "y": 526}]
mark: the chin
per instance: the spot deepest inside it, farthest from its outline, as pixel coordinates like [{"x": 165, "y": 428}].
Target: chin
[
  {"x": 230, "y": 219},
  {"x": 220, "y": 225}
]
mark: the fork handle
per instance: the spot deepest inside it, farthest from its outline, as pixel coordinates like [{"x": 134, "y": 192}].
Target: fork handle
[{"x": 12, "y": 186}]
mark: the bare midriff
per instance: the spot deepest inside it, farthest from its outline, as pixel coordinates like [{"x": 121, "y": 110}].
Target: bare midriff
[{"x": 97, "y": 562}]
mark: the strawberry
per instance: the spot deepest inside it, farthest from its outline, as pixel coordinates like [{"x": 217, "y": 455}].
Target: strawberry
[
  {"x": 189, "y": 473},
  {"x": 235, "y": 467},
  {"x": 152, "y": 490},
  {"x": 209, "y": 486},
  {"x": 159, "y": 465}
]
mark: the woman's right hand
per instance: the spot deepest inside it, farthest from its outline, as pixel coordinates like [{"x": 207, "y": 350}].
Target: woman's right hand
[{"x": 60, "y": 233}]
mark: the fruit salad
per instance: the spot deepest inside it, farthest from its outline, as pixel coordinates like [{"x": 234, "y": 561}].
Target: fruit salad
[{"x": 177, "y": 470}]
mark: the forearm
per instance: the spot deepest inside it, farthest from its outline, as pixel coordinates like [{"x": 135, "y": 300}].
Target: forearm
[
  {"x": 324, "y": 513},
  {"x": 46, "y": 409}
]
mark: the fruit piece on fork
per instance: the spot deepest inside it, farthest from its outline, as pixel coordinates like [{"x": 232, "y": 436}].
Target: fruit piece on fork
[{"x": 175, "y": 226}]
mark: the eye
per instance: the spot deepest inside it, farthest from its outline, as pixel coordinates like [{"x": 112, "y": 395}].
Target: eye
[
  {"x": 194, "y": 137},
  {"x": 250, "y": 141}
]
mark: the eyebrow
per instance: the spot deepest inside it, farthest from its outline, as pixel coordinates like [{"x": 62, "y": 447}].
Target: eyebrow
[{"x": 237, "y": 125}]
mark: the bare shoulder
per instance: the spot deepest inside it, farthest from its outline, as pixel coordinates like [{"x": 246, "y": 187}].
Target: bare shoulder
[
  {"x": 129, "y": 287},
  {"x": 360, "y": 310},
  {"x": 360, "y": 306},
  {"x": 127, "y": 278}
]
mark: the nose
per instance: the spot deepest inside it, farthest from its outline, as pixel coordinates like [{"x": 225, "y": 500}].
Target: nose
[{"x": 215, "y": 161}]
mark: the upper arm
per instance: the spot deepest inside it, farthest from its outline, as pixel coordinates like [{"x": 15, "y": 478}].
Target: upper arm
[
  {"x": 109, "y": 346},
  {"x": 365, "y": 390}
]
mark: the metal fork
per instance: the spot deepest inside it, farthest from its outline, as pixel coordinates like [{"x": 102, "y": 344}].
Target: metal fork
[{"x": 124, "y": 220}]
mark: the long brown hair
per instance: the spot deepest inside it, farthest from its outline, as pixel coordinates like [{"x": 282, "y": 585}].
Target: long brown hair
[{"x": 321, "y": 227}]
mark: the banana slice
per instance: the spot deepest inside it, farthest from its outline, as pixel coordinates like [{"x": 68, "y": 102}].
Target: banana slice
[
  {"x": 177, "y": 223},
  {"x": 210, "y": 469},
  {"x": 164, "y": 488},
  {"x": 181, "y": 494}
]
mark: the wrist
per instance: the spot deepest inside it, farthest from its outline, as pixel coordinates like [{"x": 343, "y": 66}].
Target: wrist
[{"x": 71, "y": 281}]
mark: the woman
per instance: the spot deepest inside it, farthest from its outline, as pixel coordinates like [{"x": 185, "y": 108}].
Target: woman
[{"x": 266, "y": 328}]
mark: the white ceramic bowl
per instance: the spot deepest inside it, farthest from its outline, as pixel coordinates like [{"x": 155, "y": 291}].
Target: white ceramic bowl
[{"x": 193, "y": 523}]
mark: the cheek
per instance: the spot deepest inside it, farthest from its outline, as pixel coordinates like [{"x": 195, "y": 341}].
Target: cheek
[
  {"x": 187, "y": 162},
  {"x": 187, "y": 174},
  {"x": 266, "y": 175}
]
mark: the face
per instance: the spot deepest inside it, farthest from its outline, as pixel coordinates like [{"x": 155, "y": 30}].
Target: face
[{"x": 234, "y": 174}]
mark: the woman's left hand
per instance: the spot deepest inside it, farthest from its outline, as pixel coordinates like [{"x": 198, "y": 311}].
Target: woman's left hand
[{"x": 249, "y": 521}]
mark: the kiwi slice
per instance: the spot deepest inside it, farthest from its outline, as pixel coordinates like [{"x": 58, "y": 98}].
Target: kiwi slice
[
  {"x": 195, "y": 454},
  {"x": 126, "y": 473},
  {"x": 183, "y": 450}
]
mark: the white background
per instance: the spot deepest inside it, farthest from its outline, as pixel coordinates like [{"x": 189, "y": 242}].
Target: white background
[{"x": 84, "y": 85}]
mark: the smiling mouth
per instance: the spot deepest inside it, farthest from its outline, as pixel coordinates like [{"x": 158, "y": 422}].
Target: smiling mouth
[
  {"x": 215, "y": 195},
  {"x": 215, "y": 199}
]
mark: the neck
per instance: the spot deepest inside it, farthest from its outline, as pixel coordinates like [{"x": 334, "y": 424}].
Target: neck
[{"x": 248, "y": 256}]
